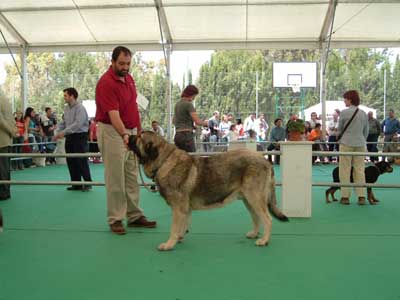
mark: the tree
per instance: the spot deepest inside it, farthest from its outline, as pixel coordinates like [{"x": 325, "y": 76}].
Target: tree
[{"x": 393, "y": 98}]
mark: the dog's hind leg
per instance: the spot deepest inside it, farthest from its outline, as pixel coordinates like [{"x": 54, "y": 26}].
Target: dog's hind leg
[
  {"x": 179, "y": 222},
  {"x": 327, "y": 193},
  {"x": 256, "y": 221}
]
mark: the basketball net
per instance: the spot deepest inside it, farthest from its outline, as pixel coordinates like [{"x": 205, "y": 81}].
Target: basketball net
[{"x": 295, "y": 87}]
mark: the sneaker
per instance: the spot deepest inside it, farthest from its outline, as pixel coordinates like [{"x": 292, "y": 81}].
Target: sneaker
[
  {"x": 117, "y": 228},
  {"x": 143, "y": 222}
]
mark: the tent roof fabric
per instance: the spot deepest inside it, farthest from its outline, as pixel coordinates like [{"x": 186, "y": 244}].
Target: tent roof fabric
[{"x": 99, "y": 25}]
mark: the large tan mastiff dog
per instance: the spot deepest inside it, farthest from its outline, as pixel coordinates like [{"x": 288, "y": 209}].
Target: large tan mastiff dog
[{"x": 192, "y": 183}]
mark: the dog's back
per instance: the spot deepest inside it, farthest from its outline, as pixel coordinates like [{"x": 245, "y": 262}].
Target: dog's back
[{"x": 371, "y": 174}]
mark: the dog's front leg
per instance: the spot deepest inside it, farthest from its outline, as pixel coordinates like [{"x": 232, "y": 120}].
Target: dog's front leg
[
  {"x": 256, "y": 221},
  {"x": 179, "y": 220}
]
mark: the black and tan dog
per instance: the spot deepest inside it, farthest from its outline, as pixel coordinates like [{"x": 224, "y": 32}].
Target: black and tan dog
[
  {"x": 371, "y": 176},
  {"x": 194, "y": 183}
]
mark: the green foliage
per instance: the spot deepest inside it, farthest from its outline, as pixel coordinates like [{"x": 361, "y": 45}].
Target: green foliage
[
  {"x": 296, "y": 125},
  {"x": 227, "y": 82},
  {"x": 49, "y": 74}
]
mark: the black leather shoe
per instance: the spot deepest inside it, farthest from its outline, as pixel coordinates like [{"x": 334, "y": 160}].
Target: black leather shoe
[
  {"x": 74, "y": 188},
  {"x": 4, "y": 197}
]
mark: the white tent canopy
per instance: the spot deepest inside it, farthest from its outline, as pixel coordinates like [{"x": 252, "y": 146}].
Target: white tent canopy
[
  {"x": 330, "y": 108},
  {"x": 99, "y": 25}
]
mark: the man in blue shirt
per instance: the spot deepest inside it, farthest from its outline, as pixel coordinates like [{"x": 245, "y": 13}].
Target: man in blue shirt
[
  {"x": 278, "y": 134},
  {"x": 75, "y": 127},
  {"x": 390, "y": 126}
]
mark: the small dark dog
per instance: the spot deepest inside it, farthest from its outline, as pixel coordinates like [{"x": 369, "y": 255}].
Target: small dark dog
[{"x": 371, "y": 176}]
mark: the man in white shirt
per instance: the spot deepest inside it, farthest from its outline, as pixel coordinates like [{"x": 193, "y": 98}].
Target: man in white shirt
[
  {"x": 249, "y": 123},
  {"x": 157, "y": 128},
  {"x": 333, "y": 133},
  {"x": 314, "y": 120}
]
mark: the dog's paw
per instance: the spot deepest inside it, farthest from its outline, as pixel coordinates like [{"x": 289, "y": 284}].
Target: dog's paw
[
  {"x": 261, "y": 243},
  {"x": 181, "y": 239},
  {"x": 336, "y": 200},
  {"x": 327, "y": 201},
  {"x": 252, "y": 234},
  {"x": 165, "y": 247},
  {"x": 376, "y": 200}
]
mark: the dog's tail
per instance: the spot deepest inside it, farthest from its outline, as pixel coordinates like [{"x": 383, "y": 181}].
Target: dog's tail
[{"x": 273, "y": 208}]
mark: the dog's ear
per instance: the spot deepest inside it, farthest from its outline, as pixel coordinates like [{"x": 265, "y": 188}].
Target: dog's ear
[
  {"x": 151, "y": 151},
  {"x": 132, "y": 142}
]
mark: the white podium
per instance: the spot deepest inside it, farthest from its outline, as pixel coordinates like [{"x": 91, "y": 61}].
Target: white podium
[{"x": 296, "y": 178}]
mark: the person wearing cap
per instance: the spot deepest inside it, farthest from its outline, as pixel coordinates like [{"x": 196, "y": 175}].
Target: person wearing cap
[
  {"x": 117, "y": 117},
  {"x": 185, "y": 117}
]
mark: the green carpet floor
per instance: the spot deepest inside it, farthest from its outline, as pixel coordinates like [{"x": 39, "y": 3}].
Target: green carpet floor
[{"x": 57, "y": 245}]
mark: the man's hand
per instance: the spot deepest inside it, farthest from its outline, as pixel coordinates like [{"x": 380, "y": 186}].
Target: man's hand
[
  {"x": 58, "y": 136},
  {"x": 125, "y": 137}
]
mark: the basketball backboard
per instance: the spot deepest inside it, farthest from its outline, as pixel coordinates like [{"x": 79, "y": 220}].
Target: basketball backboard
[{"x": 303, "y": 74}]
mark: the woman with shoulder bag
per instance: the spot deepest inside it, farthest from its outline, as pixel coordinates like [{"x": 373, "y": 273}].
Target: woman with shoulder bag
[{"x": 353, "y": 132}]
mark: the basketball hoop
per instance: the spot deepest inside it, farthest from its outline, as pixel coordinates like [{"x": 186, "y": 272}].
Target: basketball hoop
[{"x": 295, "y": 87}]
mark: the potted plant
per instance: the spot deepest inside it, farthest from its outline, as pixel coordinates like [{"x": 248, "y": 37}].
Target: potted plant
[{"x": 295, "y": 129}]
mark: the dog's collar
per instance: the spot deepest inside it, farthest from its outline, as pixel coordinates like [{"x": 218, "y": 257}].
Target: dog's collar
[{"x": 156, "y": 170}]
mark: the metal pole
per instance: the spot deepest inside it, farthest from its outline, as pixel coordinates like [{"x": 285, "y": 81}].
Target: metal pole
[
  {"x": 13, "y": 97},
  {"x": 384, "y": 94},
  {"x": 169, "y": 92},
  {"x": 257, "y": 94},
  {"x": 322, "y": 91},
  {"x": 24, "y": 83}
]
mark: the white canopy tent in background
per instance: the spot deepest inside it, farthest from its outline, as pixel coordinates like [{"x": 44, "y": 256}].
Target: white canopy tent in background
[
  {"x": 330, "y": 108},
  {"x": 99, "y": 25},
  {"x": 169, "y": 25}
]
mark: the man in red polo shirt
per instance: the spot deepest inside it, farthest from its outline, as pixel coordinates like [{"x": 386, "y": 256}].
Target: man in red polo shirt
[{"x": 118, "y": 117}]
